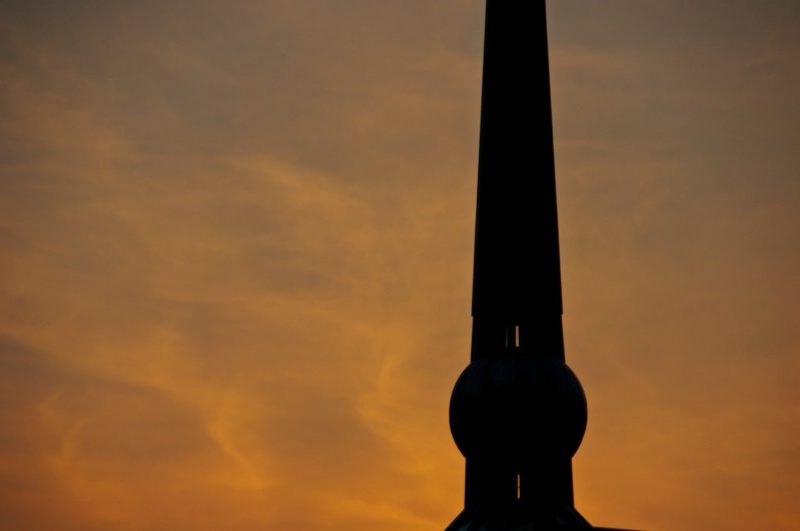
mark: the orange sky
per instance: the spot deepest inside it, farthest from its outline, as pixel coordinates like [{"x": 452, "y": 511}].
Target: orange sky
[{"x": 236, "y": 259}]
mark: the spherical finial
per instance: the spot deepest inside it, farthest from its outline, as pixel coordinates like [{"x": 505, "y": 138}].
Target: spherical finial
[{"x": 518, "y": 408}]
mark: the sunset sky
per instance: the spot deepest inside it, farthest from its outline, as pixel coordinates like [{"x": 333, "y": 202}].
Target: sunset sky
[{"x": 236, "y": 257}]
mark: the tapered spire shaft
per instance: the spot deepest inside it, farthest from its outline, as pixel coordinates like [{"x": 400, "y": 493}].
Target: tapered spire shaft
[
  {"x": 517, "y": 267},
  {"x": 517, "y": 273}
]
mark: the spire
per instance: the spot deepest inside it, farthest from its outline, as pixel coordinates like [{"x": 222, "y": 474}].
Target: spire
[
  {"x": 517, "y": 413},
  {"x": 517, "y": 269}
]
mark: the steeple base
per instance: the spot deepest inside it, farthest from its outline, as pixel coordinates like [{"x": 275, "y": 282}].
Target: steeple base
[{"x": 516, "y": 515}]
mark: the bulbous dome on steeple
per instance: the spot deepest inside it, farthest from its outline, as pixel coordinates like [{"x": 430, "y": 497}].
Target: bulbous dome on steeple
[{"x": 517, "y": 408}]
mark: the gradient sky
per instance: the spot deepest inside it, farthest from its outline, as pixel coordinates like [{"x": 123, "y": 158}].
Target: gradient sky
[{"x": 236, "y": 258}]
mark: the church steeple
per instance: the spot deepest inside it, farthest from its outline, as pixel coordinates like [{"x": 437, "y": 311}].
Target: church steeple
[{"x": 517, "y": 413}]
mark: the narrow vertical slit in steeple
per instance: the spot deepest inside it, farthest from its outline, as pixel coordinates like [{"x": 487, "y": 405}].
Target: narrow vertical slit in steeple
[
  {"x": 518, "y": 487},
  {"x": 511, "y": 337}
]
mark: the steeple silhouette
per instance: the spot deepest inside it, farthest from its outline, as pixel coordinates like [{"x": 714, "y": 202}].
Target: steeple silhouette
[{"x": 517, "y": 413}]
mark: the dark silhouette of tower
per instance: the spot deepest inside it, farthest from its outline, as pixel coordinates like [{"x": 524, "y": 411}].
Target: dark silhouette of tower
[{"x": 517, "y": 413}]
